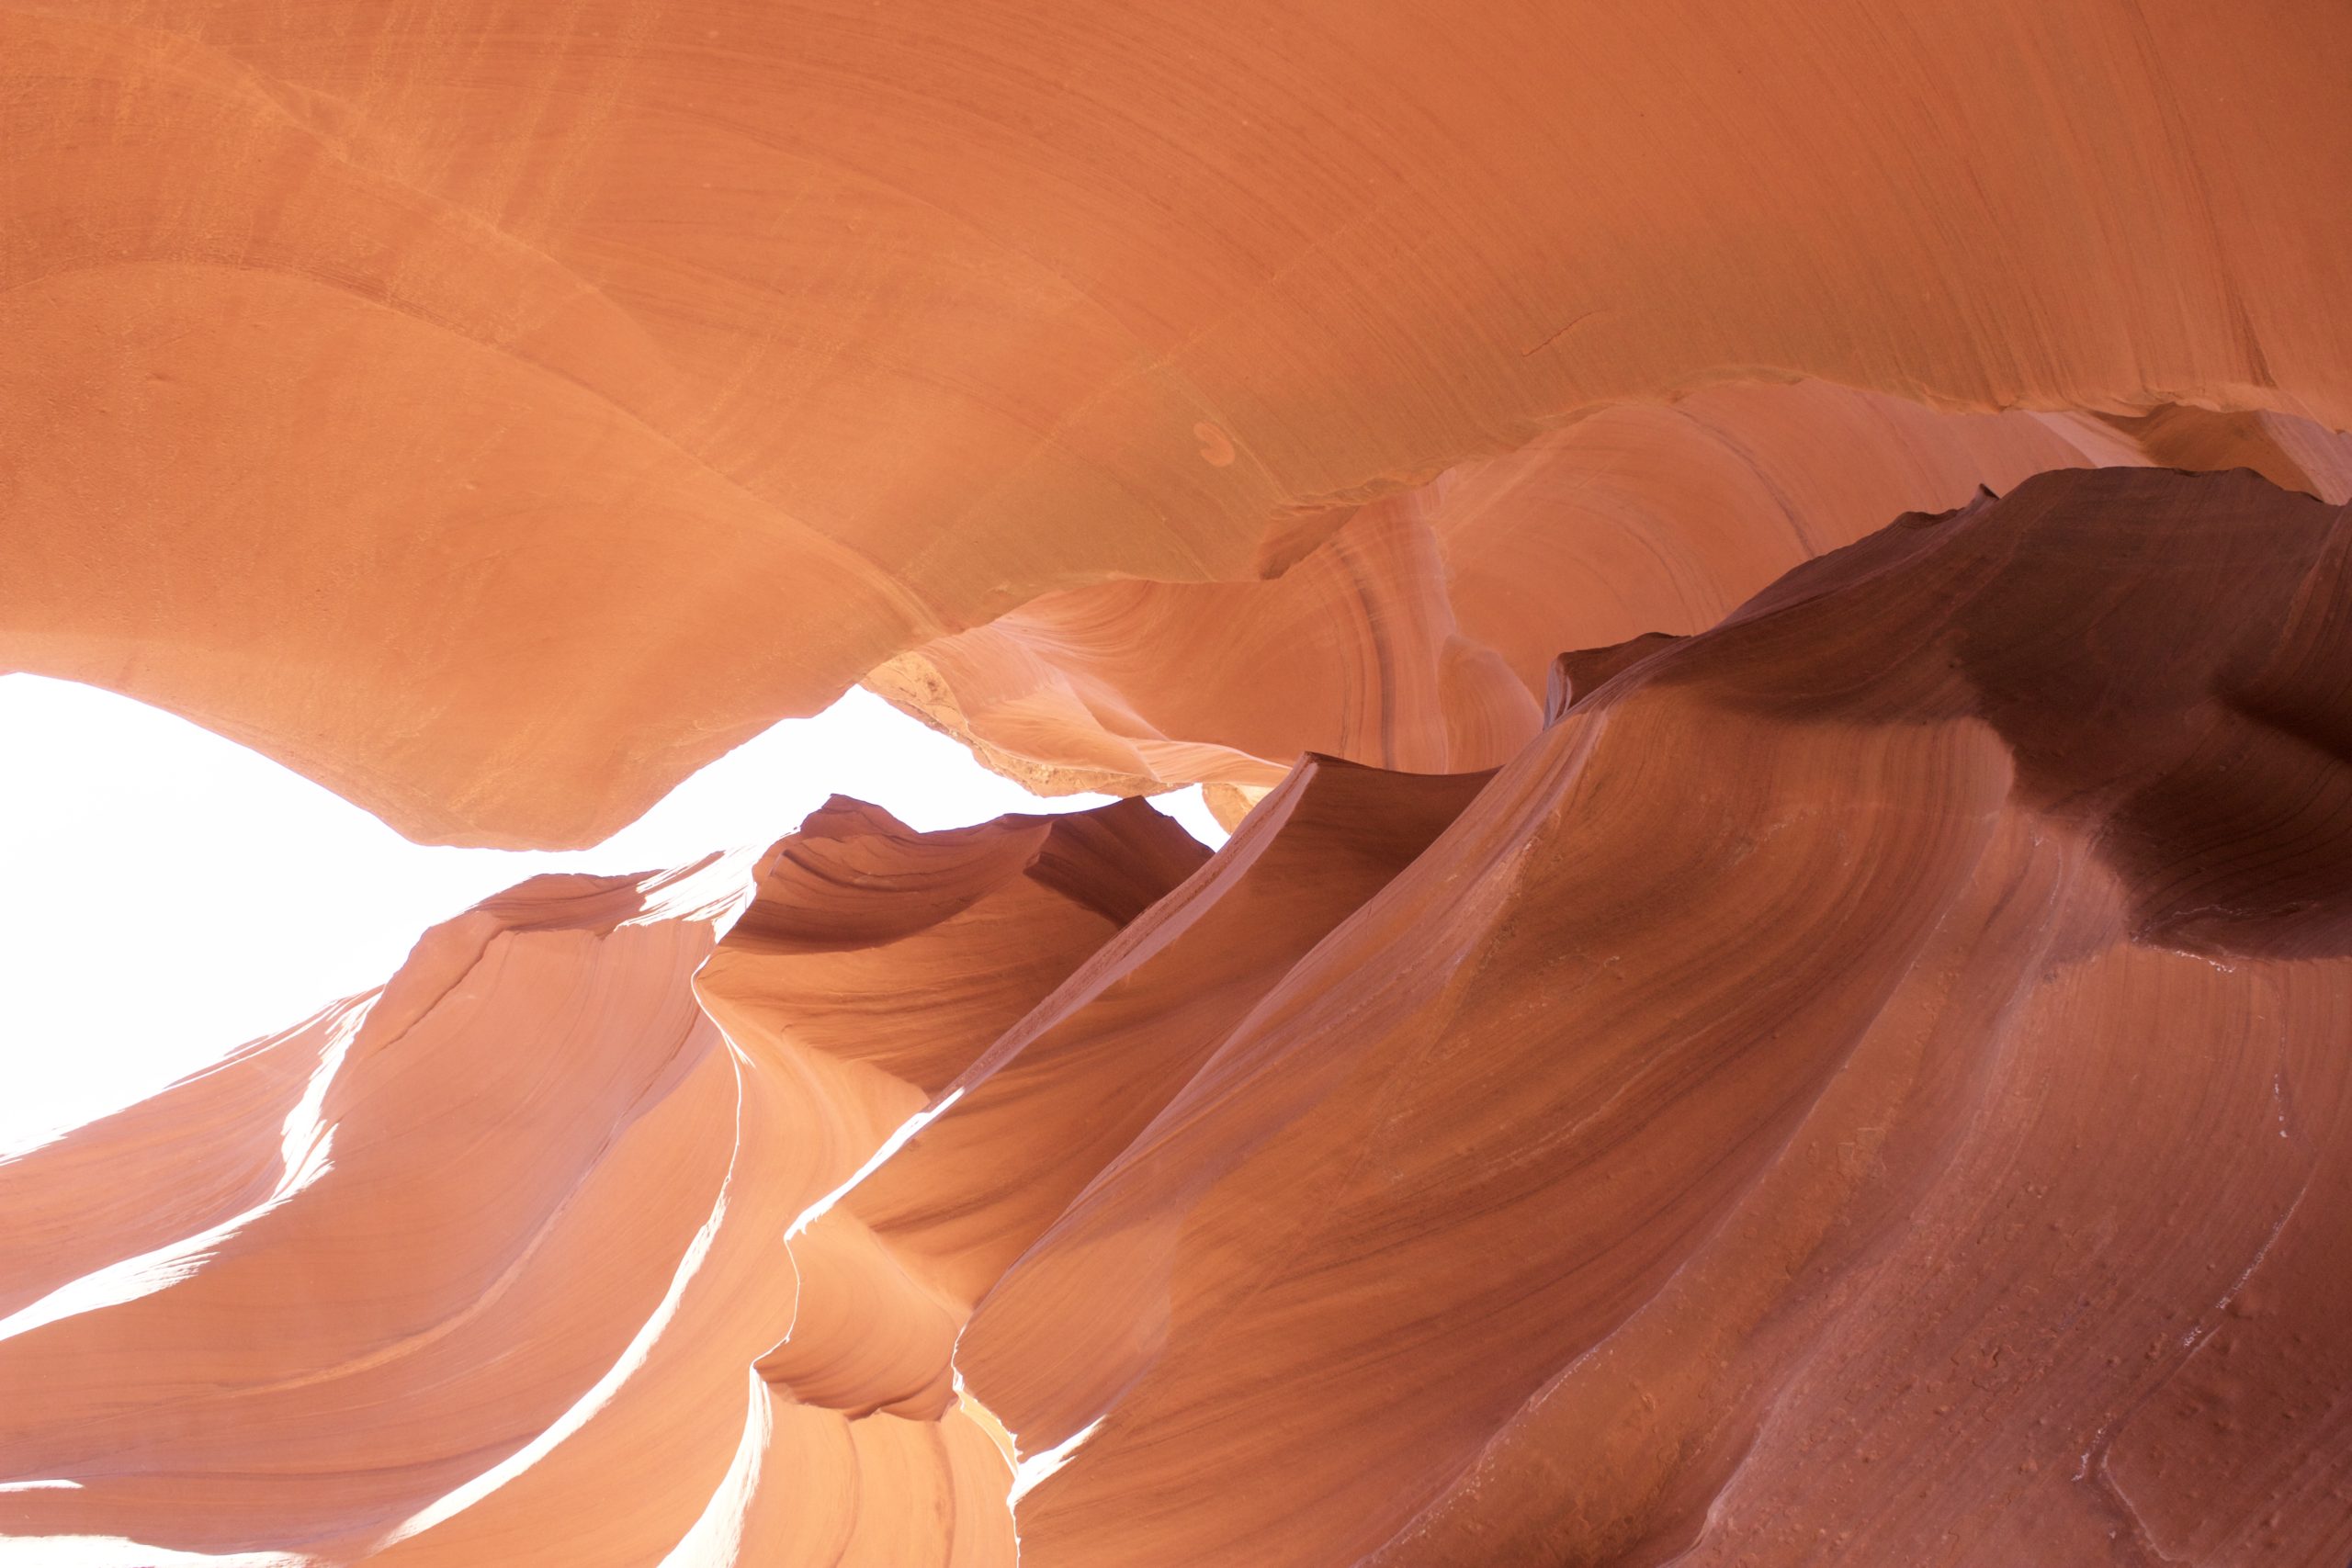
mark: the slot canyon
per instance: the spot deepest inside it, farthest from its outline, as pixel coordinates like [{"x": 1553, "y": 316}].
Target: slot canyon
[{"x": 1763, "y": 590}]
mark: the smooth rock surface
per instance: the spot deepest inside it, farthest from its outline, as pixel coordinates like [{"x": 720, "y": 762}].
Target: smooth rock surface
[
  {"x": 366, "y": 1286},
  {"x": 1419, "y": 635},
  {"x": 493, "y": 1265},
  {"x": 1866, "y": 1085},
  {"x": 496, "y": 411},
  {"x": 1767, "y": 589}
]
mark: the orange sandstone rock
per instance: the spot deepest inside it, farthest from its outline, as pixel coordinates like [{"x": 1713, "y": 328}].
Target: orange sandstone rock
[
  {"x": 1057, "y": 1098},
  {"x": 486, "y": 1267},
  {"x": 1419, "y": 635},
  {"x": 445, "y": 1245},
  {"x": 1865, "y": 1086},
  {"x": 497, "y": 409},
  {"x": 872, "y": 967},
  {"x": 1845, "y": 1064}
]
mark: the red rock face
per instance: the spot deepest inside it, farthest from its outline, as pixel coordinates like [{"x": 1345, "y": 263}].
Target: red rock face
[
  {"x": 1858, "y": 1088},
  {"x": 341, "y": 1282},
  {"x": 483, "y": 1266},
  {"x": 1768, "y": 590},
  {"x": 1419, "y": 634},
  {"x": 1865, "y": 1083},
  {"x": 379, "y": 372}
]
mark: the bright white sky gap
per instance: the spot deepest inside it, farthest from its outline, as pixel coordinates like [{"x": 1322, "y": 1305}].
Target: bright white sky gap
[{"x": 167, "y": 894}]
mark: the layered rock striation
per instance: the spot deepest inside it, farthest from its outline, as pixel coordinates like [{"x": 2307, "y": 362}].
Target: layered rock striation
[
  {"x": 550, "y": 1180},
  {"x": 497, "y": 411},
  {"x": 1864, "y": 1082},
  {"x": 1730, "y": 1030},
  {"x": 1419, "y": 634}
]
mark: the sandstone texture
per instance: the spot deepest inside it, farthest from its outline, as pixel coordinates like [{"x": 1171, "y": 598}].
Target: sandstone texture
[
  {"x": 497, "y": 409},
  {"x": 1766, "y": 591},
  {"x": 1864, "y": 1083},
  {"x": 1419, "y": 635}
]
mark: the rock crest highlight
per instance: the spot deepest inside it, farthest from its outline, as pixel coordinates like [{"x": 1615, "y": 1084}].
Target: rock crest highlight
[
  {"x": 1888, "y": 1044},
  {"x": 1766, "y": 592}
]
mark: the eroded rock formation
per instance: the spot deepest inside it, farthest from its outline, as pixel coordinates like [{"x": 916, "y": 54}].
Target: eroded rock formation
[
  {"x": 1865, "y": 1083},
  {"x": 484, "y": 1266},
  {"x": 395, "y": 1281},
  {"x": 497, "y": 411},
  {"x": 1730, "y": 1030},
  {"x": 1419, "y": 635}
]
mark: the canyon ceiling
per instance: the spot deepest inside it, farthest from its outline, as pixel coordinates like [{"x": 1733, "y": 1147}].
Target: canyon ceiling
[{"x": 1767, "y": 591}]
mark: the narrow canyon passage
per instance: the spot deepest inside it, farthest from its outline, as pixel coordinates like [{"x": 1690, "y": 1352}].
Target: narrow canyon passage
[{"x": 1364, "y": 783}]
